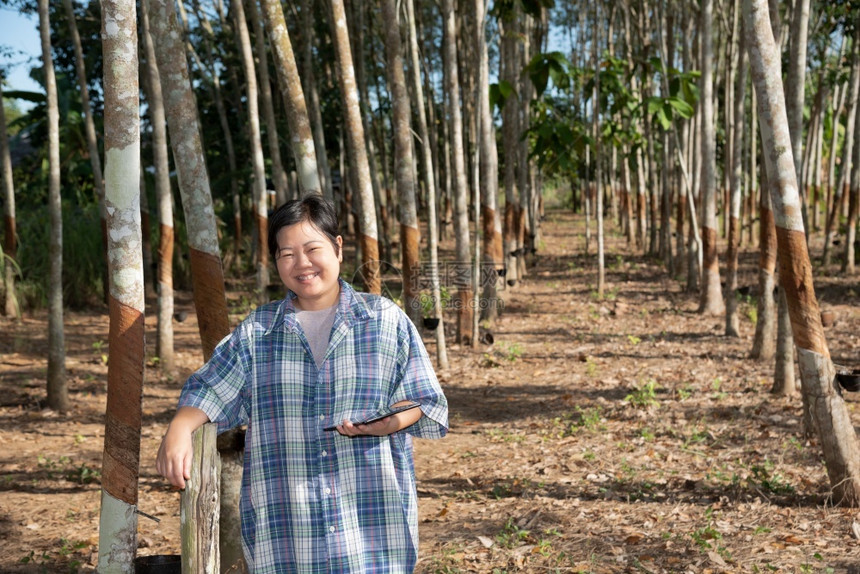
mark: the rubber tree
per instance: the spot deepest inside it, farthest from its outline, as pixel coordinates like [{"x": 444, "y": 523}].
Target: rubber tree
[
  {"x": 279, "y": 175},
  {"x": 210, "y": 300},
  {"x": 301, "y": 138},
  {"x": 426, "y": 157},
  {"x": 403, "y": 160},
  {"x": 357, "y": 148},
  {"x": 164, "y": 198},
  {"x": 830, "y": 417},
  {"x": 260, "y": 196},
  {"x": 459, "y": 184},
  {"x": 491, "y": 223},
  {"x": 736, "y": 190},
  {"x": 10, "y": 239},
  {"x": 711, "y": 300},
  {"x": 121, "y": 458},
  {"x": 57, "y": 388}
]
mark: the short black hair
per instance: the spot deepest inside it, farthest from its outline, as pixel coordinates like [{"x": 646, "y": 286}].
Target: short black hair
[{"x": 314, "y": 209}]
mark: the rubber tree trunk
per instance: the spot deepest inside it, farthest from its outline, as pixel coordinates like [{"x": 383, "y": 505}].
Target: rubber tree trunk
[
  {"x": 491, "y": 223},
  {"x": 764, "y": 341},
  {"x": 736, "y": 190},
  {"x": 429, "y": 182},
  {"x": 58, "y": 393},
  {"x": 844, "y": 181},
  {"x": 260, "y": 195},
  {"x": 459, "y": 184},
  {"x": 354, "y": 128},
  {"x": 313, "y": 101},
  {"x": 207, "y": 274},
  {"x": 164, "y": 197},
  {"x": 121, "y": 458},
  {"x": 848, "y": 265},
  {"x": 510, "y": 129},
  {"x": 830, "y": 417},
  {"x": 279, "y": 176},
  {"x": 403, "y": 173},
  {"x": 711, "y": 302},
  {"x": 301, "y": 138},
  {"x": 598, "y": 173},
  {"x": 10, "y": 239}
]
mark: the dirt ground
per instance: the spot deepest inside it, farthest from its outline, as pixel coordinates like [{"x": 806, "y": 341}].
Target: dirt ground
[{"x": 622, "y": 434}]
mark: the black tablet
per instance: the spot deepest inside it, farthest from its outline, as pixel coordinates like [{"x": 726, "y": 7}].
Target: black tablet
[{"x": 379, "y": 415}]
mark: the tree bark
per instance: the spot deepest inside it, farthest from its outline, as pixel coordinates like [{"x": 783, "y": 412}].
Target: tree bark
[
  {"x": 155, "y": 105},
  {"x": 260, "y": 195},
  {"x": 711, "y": 302},
  {"x": 208, "y": 277},
  {"x": 279, "y": 176},
  {"x": 736, "y": 189},
  {"x": 10, "y": 239},
  {"x": 430, "y": 184},
  {"x": 492, "y": 252},
  {"x": 829, "y": 415},
  {"x": 301, "y": 138},
  {"x": 458, "y": 174},
  {"x": 403, "y": 174},
  {"x": 510, "y": 129},
  {"x": 313, "y": 101},
  {"x": 369, "y": 239},
  {"x": 121, "y": 459},
  {"x": 58, "y": 394}
]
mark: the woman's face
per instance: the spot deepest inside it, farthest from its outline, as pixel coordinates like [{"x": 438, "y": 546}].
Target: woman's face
[{"x": 309, "y": 265}]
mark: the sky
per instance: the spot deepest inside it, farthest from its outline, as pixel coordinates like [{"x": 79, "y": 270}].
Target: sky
[{"x": 20, "y": 34}]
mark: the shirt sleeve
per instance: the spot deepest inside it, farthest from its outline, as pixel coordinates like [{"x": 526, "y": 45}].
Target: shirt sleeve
[
  {"x": 417, "y": 382},
  {"x": 220, "y": 387}
]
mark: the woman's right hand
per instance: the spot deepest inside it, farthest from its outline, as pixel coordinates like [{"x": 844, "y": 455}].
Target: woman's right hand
[{"x": 175, "y": 453}]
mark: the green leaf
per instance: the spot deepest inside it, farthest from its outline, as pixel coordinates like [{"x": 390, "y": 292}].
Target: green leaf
[{"x": 683, "y": 109}]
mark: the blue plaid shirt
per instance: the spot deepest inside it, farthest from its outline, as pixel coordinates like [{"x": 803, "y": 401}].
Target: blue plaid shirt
[{"x": 314, "y": 500}]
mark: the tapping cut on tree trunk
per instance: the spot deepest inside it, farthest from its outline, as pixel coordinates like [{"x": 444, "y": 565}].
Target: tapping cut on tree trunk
[
  {"x": 711, "y": 300},
  {"x": 460, "y": 187},
  {"x": 360, "y": 166},
  {"x": 164, "y": 197},
  {"x": 426, "y": 156},
  {"x": 123, "y": 416},
  {"x": 830, "y": 417},
  {"x": 207, "y": 275}
]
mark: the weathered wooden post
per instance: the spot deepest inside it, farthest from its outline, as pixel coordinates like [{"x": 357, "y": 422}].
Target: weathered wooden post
[{"x": 200, "y": 506}]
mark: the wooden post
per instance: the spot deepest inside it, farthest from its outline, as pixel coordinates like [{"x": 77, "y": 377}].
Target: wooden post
[{"x": 200, "y": 509}]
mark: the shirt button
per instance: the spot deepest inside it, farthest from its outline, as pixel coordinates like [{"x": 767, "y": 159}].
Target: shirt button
[
  {"x": 331, "y": 528},
  {"x": 328, "y": 491},
  {"x": 324, "y": 453},
  {"x": 322, "y": 417}
]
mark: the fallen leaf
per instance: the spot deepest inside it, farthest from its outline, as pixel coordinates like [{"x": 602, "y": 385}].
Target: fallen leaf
[
  {"x": 633, "y": 539},
  {"x": 485, "y": 542},
  {"x": 717, "y": 559},
  {"x": 855, "y": 528}
]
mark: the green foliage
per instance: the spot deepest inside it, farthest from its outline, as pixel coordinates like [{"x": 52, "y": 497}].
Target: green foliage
[
  {"x": 83, "y": 262},
  {"x": 644, "y": 396}
]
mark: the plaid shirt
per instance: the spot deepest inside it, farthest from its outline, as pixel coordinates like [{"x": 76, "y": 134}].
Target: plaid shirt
[{"x": 314, "y": 500}]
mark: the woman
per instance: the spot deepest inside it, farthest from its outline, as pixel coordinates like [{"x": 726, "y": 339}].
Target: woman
[{"x": 316, "y": 500}]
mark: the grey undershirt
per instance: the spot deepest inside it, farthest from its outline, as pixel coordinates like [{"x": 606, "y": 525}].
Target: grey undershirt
[{"x": 317, "y": 327}]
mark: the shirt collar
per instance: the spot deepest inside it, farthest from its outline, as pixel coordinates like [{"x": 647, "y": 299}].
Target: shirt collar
[{"x": 352, "y": 307}]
